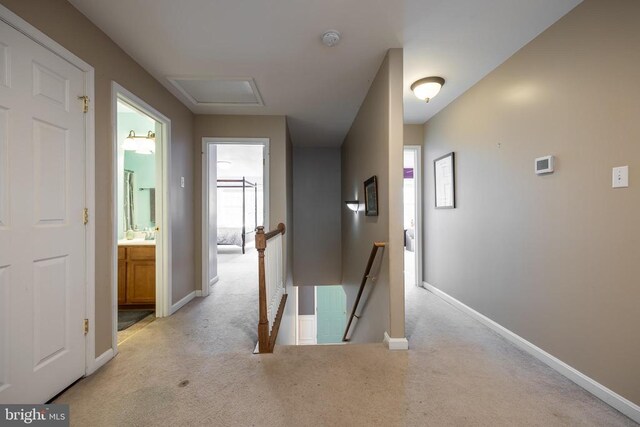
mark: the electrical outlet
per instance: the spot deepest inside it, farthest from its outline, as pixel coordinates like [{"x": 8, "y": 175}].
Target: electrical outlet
[
  {"x": 621, "y": 177},
  {"x": 182, "y": 181}
]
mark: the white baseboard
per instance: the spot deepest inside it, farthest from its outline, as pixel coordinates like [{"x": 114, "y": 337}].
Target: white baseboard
[
  {"x": 177, "y": 306},
  {"x": 212, "y": 282},
  {"x": 395, "y": 343},
  {"x": 100, "y": 361},
  {"x": 610, "y": 397}
]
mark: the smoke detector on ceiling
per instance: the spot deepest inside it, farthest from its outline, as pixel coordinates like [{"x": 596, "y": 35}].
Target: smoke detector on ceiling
[{"x": 330, "y": 38}]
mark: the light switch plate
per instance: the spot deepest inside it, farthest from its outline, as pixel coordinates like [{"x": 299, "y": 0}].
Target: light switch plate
[
  {"x": 621, "y": 177},
  {"x": 182, "y": 181}
]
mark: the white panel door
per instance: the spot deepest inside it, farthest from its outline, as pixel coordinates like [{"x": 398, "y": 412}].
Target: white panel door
[
  {"x": 307, "y": 329},
  {"x": 42, "y": 232}
]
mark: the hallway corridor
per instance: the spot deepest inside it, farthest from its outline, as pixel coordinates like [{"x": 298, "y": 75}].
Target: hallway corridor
[{"x": 196, "y": 368}]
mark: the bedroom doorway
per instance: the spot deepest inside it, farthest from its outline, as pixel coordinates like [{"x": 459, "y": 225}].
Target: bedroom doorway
[
  {"x": 412, "y": 191},
  {"x": 235, "y": 203}
]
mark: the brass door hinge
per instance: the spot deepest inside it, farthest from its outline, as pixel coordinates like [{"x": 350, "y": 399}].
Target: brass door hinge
[
  {"x": 85, "y": 103},
  {"x": 85, "y": 216},
  {"x": 86, "y": 326}
]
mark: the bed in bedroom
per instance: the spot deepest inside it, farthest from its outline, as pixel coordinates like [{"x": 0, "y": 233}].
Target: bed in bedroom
[{"x": 239, "y": 201}]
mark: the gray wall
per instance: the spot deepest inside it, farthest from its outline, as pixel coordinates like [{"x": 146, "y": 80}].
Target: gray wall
[
  {"x": 306, "y": 300},
  {"x": 553, "y": 258},
  {"x": 287, "y": 332},
  {"x": 317, "y": 208},
  {"x": 66, "y": 25},
  {"x": 373, "y": 146}
]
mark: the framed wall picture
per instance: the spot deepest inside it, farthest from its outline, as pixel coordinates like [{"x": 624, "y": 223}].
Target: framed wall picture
[
  {"x": 371, "y": 196},
  {"x": 444, "y": 179}
]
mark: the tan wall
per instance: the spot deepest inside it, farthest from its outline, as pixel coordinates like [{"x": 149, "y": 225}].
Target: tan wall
[
  {"x": 395, "y": 247},
  {"x": 373, "y": 146},
  {"x": 413, "y": 134},
  {"x": 554, "y": 258},
  {"x": 64, "y": 24}
]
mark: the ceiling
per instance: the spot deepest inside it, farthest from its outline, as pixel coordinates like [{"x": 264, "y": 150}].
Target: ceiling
[
  {"x": 235, "y": 161},
  {"x": 464, "y": 40},
  {"x": 277, "y": 44}
]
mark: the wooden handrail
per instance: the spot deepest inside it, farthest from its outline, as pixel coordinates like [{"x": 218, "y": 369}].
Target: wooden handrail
[
  {"x": 367, "y": 271},
  {"x": 280, "y": 230},
  {"x": 266, "y": 338}
]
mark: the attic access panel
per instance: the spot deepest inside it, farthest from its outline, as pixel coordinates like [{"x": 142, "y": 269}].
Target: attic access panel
[{"x": 222, "y": 92}]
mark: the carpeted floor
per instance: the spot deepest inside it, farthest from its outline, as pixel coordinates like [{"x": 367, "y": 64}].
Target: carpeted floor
[{"x": 196, "y": 368}]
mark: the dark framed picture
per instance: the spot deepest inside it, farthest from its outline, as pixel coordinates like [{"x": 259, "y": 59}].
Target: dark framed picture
[
  {"x": 371, "y": 196},
  {"x": 444, "y": 170}
]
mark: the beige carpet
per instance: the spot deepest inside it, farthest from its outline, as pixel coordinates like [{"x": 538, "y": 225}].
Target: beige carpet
[{"x": 196, "y": 368}]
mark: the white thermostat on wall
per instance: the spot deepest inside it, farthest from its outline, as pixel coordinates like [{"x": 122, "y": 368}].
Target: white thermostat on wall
[{"x": 544, "y": 165}]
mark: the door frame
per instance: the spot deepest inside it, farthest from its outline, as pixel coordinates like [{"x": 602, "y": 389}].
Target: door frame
[
  {"x": 207, "y": 142},
  {"x": 91, "y": 362},
  {"x": 417, "y": 177},
  {"x": 163, "y": 215}
]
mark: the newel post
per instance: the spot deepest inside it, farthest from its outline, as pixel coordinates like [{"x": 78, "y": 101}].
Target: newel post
[{"x": 263, "y": 324}]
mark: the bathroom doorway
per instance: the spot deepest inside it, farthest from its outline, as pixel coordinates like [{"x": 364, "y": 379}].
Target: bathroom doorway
[{"x": 141, "y": 233}]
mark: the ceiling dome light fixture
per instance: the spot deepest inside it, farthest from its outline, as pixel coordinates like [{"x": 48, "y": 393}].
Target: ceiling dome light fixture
[
  {"x": 330, "y": 38},
  {"x": 427, "y": 88}
]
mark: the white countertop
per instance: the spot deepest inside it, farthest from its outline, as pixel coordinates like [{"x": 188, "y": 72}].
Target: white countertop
[{"x": 136, "y": 242}]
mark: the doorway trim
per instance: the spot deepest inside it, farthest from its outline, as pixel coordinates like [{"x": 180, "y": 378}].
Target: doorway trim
[
  {"x": 163, "y": 238},
  {"x": 91, "y": 362},
  {"x": 207, "y": 142},
  {"x": 417, "y": 153}
]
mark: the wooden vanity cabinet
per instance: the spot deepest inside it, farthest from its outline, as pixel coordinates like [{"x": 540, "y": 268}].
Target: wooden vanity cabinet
[
  {"x": 122, "y": 275},
  {"x": 136, "y": 275}
]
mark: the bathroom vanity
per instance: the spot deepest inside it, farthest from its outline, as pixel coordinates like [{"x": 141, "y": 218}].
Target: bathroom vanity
[{"x": 136, "y": 273}]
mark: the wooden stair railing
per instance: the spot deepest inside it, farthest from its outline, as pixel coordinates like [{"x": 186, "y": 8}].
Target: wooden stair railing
[
  {"x": 266, "y": 337},
  {"x": 367, "y": 272}
]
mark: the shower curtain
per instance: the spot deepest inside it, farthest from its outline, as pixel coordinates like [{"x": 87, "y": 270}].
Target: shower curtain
[{"x": 128, "y": 199}]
